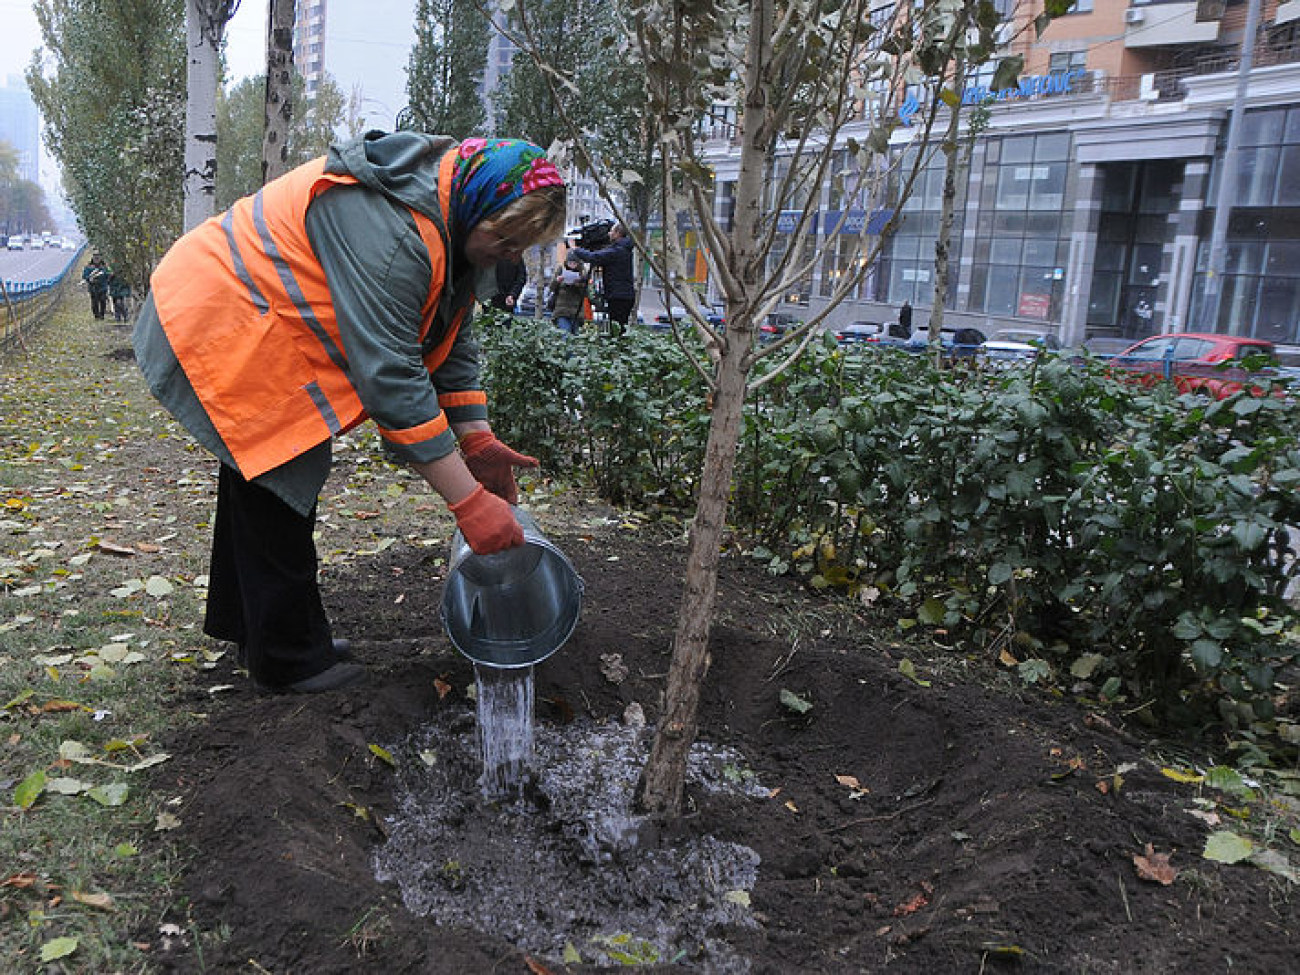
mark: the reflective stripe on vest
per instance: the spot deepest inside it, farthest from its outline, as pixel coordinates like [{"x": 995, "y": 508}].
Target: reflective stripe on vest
[{"x": 247, "y": 310}]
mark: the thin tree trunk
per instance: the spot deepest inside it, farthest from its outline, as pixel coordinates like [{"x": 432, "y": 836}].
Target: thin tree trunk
[
  {"x": 665, "y": 773},
  {"x": 664, "y": 777},
  {"x": 947, "y": 216},
  {"x": 279, "y": 88},
  {"x": 205, "y": 21}
]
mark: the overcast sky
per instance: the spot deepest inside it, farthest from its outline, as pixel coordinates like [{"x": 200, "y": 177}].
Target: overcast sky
[{"x": 245, "y": 51}]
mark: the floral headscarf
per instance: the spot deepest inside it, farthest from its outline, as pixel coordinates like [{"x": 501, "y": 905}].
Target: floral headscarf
[{"x": 493, "y": 173}]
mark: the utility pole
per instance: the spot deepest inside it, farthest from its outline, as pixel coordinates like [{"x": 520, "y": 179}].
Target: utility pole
[{"x": 1227, "y": 178}]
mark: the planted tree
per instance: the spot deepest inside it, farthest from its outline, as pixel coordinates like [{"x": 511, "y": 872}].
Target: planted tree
[{"x": 792, "y": 83}]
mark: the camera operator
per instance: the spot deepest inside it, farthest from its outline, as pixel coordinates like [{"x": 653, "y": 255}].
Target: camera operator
[{"x": 615, "y": 261}]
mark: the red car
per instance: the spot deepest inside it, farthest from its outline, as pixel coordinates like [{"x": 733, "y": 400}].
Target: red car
[{"x": 1204, "y": 362}]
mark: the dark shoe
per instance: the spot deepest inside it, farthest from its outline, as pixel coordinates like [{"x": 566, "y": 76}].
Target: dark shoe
[
  {"x": 331, "y": 679},
  {"x": 342, "y": 652}
]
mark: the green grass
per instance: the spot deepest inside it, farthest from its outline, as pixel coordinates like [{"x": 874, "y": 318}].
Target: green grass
[
  {"x": 105, "y": 508},
  {"x": 90, "y": 471}
]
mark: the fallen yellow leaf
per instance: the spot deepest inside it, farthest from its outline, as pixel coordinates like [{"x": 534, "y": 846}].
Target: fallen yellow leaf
[{"x": 103, "y": 902}]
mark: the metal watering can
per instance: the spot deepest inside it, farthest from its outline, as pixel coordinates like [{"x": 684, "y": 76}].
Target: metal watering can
[{"x": 513, "y": 608}]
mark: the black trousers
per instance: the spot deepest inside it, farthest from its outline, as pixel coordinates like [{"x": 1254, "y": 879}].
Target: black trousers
[
  {"x": 98, "y": 303},
  {"x": 262, "y": 589},
  {"x": 620, "y": 310}
]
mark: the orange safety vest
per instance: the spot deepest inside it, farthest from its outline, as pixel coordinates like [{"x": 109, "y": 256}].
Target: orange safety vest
[{"x": 247, "y": 310}]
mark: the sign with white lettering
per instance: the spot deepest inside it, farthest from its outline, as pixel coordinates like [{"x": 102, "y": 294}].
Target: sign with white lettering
[{"x": 1034, "y": 86}]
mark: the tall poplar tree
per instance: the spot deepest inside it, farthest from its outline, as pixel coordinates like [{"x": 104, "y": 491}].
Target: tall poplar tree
[
  {"x": 110, "y": 84},
  {"x": 444, "y": 77}
]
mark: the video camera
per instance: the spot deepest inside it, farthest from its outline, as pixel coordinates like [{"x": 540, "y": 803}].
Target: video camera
[{"x": 591, "y": 236}]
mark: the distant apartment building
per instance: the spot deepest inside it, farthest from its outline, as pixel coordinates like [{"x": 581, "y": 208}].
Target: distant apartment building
[
  {"x": 1088, "y": 203},
  {"x": 364, "y": 47}
]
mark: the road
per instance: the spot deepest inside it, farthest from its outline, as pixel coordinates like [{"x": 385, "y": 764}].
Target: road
[{"x": 27, "y": 265}]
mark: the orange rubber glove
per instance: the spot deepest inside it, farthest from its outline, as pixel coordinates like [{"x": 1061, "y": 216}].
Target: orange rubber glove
[
  {"x": 487, "y": 522},
  {"x": 492, "y": 463}
]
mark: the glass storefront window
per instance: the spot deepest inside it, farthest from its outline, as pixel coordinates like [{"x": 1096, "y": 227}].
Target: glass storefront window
[
  {"x": 1145, "y": 266},
  {"x": 1032, "y": 180},
  {"x": 1013, "y": 186},
  {"x": 1047, "y": 191},
  {"x": 1040, "y": 253},
  {"x": 1005, "y": 251},
  {"x": 1256, "y": 176},
  {"x": 1103, "y": 300},
  {"x": 1263, "y": 127},
  {"x": 1288, "y": 175},
  {"x": 1292, "y": 134},
  {"x": 1017, "y": 149},
  {"x": 1279, "y": 308},
  {"x": 1052, "y": 147},
  {"x": 1244, "y": 258}
]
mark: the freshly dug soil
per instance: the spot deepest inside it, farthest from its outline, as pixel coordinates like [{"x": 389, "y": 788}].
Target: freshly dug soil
[{"x": 962, "y": 825}]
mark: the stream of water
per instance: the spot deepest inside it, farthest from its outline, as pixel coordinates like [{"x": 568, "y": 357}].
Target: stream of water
[{"x": 505, "y": 729}]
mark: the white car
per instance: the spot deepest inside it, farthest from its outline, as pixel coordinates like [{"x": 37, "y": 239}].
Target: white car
[
  {"x": 1019, "y": 343},
  {"x": 16, "y": 243}
]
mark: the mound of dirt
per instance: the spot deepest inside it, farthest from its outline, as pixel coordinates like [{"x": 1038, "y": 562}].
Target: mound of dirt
[{"x": 918, "y": 827}]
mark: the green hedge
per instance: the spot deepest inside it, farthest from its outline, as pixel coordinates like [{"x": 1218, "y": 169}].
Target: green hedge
[{"x": 1128, "y": 541}]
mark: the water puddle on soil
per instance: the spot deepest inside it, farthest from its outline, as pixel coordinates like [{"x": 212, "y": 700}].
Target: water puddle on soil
[{"x": 558, "y": 867}]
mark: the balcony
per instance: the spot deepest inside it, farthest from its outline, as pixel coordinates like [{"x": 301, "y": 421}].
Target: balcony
[
  {"x": 1164, "y": 86},
  {"x": 1166, "y": 24}
]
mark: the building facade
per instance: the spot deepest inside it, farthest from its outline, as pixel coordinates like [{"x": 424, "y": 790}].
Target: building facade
[
  {"x": 364, "y": 47},
  {"x": 1087, "y": 206},
  {"x": 20, "y": 126}
]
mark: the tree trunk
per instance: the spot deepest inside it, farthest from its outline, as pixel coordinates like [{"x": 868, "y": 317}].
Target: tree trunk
[
  {"x": 205, "y": 20},
  {"x": 279, "y": 88},
  {"x": 664, "y": 777},
  {"x": 665, "y": 772},
  {"x": 947, "y": 215}
]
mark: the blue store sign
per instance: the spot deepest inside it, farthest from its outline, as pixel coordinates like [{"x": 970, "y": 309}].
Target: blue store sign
[{"x": 1059, "y": 83}]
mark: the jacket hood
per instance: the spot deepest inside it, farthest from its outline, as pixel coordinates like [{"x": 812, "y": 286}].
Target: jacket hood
[{"x": 401, "y": 165}]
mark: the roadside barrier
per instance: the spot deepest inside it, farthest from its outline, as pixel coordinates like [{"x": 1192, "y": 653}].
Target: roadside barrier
[{"x": 25, "y": 305}]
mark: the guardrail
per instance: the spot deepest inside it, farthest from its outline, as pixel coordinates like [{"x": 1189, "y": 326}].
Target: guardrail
[{"x": 26, "y": 304}]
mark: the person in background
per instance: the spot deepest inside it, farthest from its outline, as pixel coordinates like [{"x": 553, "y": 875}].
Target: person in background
[
  {"x": 96, "y": 275},
  {"x": 338, "y": 293},
  {"x": 615, "y": 262},
  {"x": 570, "y": 288},
  {"x": 119, "y": 290},
  {"x": 511, "y": 278},
  {"x": 904, "y": 321}
]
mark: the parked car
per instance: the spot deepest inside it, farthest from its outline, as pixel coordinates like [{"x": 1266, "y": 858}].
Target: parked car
[
  {"x": 873, "y": 335},
  {"x": 1205, "y": 362},
  {"x": 15, "y": 242},
  {"x": 1019, "y": 343},
  {"x": 713, "y": 316},
  {"x": 956, "y": 341},
  {"x": 775, "y": 325},
  {"x": 858, "y": 333}
]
